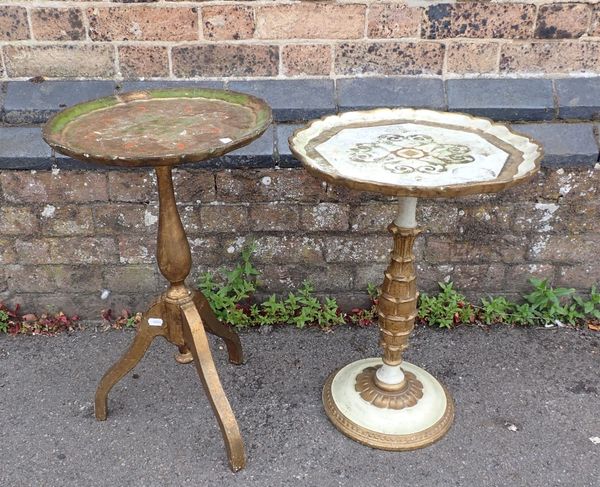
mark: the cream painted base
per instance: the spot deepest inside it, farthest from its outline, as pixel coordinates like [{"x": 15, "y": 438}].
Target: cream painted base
[{"x": 388, "y": 429}]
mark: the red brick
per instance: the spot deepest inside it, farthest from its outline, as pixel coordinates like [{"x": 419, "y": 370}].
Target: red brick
[
  {"x": 478, "y": 19},
  {"x": 287, "y": 249},
  {"x": 549, "y": 57},
  {"x": 472, "y": 57},
  {"x": 478, "y": 277},
  {"x": 47, "y": 278},
  {"x": 143, "y": 61},
  {"x": 194, "y": 186},
  {"x": 226, "y": 22},
  {"x": 324, "y": 217},
  {"x": 124, "y": 279},
  {"x": 371, "y": 273},
  {"x": 364, "y": 248},
  {"x": 121, "y": 218},
  {"x": 393, "y": 20},
  {"x": 517, "y": 276},
  {"x": 136, "y": 249},
  {"x": 57, "y": 24},
  {"x": 66, "y": 220},
  {"x": 18, "y": 220},
  {"x": 71, "y": 250},
  {"x": 191, "y": 219},
  {"x": 45, "y": 187},
  {"x": 389, "y": 58},
  {"x": 143, "y": 23},
  {"x": 274, "y": 217},
  {"x": 83, "y": 278},
  {"x": 286, "y": 278},
  {"x": 562, "y": 21},
  {"x": 507, "y": 249},
  {"x": 132, "y": 186},
  {"x": 373, "y": 216},
  {"x": 244, "y": 186},
  {"x": 207, "y": 250},
  {"x": 306, "y": 59},
  {"x": 34, "y": 279},
  {"x": 13, "y": 24},
  {"x": 225, "y": 60},
  {"x": 581, "y": 276},
  {"x": 572, "y": 249},
  {"x": 483, "y": 220},
  {"x": 7, "y": 251},
  {"x": 224, "y": 218},
  {"x": 60, "y": 61},
  {"x": 308, "y": 20}
]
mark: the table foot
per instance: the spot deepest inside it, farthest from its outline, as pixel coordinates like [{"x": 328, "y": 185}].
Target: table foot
[
  {"x": 128, "y": 361},
  {"x": 184, "y": 356},
  {"x": 413, "y": 416},
  {"x": 214, "y": 326},
  {"x": 197, "y": 342}
]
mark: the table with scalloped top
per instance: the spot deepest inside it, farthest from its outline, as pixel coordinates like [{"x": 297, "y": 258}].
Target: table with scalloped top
[
  {"x": 162, "y": 129},
  {"x": 386, "y": 402}
]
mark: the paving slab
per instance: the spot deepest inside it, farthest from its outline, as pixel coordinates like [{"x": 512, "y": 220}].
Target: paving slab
[
  {"x": 292, "y": 100},
  {"x": 578, "y": 98},
  {"x": 29, "y": 102},
  {"x": 362, "y": 93},
  {"x": 565, "y": 144},
  {"x": 526, "y": 407},
  {"x": 502, "y": 99}
]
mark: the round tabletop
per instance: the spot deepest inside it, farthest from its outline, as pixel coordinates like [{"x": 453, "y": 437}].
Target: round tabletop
[
  {"x": 158, "y": 127},
  {"x": 409, "y": 152}
]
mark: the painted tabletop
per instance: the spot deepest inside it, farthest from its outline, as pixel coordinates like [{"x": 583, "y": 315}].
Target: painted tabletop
[
  {"x": 408, "y": 152},
  {"x": 159, "y": 127}
]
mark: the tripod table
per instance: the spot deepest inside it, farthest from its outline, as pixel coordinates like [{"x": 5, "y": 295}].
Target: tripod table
[
  {"x": 389, "y": 403},
  {"x": 161, "y": 129}
]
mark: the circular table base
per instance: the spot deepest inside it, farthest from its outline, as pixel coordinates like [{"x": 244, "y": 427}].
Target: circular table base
[{"x": 387, "y": 429}]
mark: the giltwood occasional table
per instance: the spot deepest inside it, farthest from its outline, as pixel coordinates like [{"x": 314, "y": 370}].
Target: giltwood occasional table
[
  {"x": 161, "y": 129},
  {"x": 389, "y": 403}
]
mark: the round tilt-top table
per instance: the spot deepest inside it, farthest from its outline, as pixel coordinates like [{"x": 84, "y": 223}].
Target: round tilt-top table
[
  {"x": 389, "y": 403},
  {"x": 162, "y": 129}
]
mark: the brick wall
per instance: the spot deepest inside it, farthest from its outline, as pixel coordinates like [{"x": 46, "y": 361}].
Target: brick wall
[
  {"x": 206, "y": 39},
  {"x": 67, "y": 235}
]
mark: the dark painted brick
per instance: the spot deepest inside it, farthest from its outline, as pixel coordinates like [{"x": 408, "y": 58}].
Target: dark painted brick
[
  {"x": 390, "y": 92},
  {"x": 257, "y": 154},
  {"x": 502, "y": 99},
  {"x": 23, "y": 148},
  {"x": 578, "y": 98},
  {"x": 283, "y": 132},
  {"x": 152, "y": 85},
  {"x": 565, "y": 144},
  {"x": 292, "y": 100},
  {"x": 28, "y": 102}
]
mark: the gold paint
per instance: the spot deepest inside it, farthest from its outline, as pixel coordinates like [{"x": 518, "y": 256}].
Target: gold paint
[
  {"x": 186, "y": 317},
  {"x": 397, "y": 305},
  {"x": 388, "y": 396}
]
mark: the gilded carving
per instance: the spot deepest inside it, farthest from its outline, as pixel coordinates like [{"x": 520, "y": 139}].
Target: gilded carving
[{"x": 408, "y": 395}]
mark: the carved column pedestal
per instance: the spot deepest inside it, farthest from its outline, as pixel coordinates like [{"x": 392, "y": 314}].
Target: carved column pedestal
[{"x": 388, "y": 403}]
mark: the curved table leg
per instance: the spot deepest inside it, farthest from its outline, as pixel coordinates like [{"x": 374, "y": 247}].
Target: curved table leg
[
  {"x": 214, "y": 326},
  {"x": 197, "y": 342},
  {"x": 128, "y": 361}
]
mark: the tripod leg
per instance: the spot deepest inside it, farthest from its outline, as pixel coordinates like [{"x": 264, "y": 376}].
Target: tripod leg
[
  {"x": 197, "y": 342},
  {"x": 217, "y": 328},
  {"x": 128, "y": 361}
]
